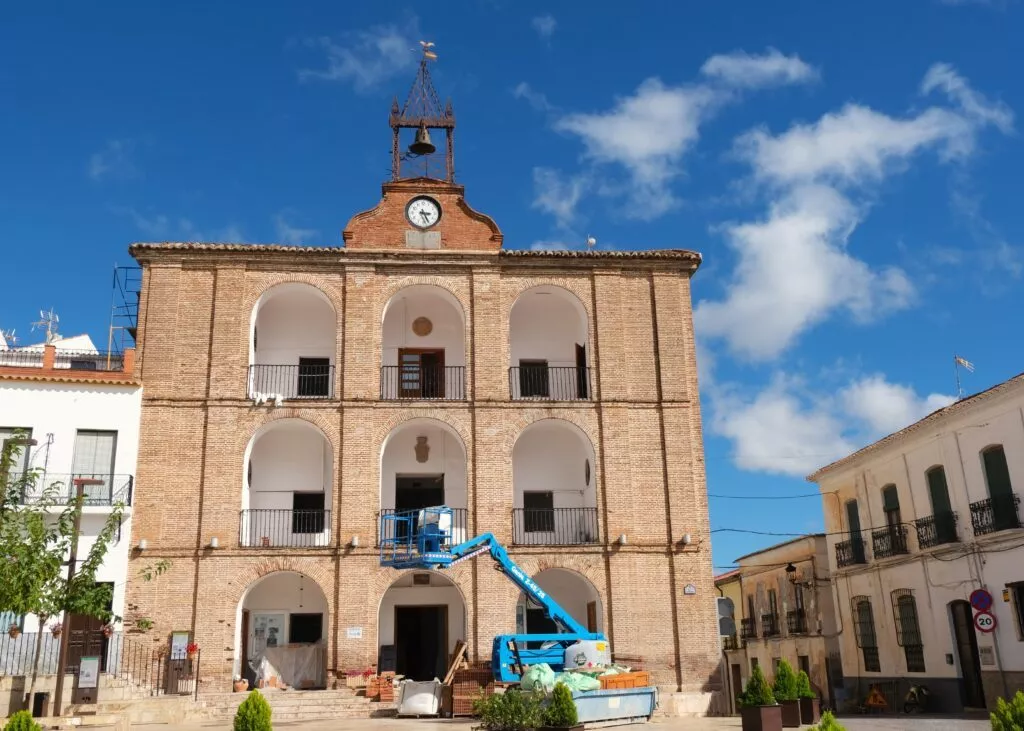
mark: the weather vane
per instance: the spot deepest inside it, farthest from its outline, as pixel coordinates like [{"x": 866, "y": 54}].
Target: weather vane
[{"x": 427, "y": 53}]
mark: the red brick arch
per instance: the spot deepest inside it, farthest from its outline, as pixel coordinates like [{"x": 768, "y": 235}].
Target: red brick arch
[
  {"x": 313, "y": 417},
  {"x": 257, "y": 286},
  {"x": 519, "y": 420},
  {"x": 454, "y": 420},
  {"x": 319, "y": 571}
]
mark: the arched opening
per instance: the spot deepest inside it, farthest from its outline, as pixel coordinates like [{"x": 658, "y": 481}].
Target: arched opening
[
  {"x": 293, "y": 344},
  {"x": 554, "y": 501},
  {"x": 422, "y": 465},
  {"x": 423, "y": 352},
  {"x": 286, "y": 495},
  {"x": 421, "y": 617},
  {"x": 572, "y": 591},
  {"x": 282, "y": 630},
  {"x": 548, "y": 332}
]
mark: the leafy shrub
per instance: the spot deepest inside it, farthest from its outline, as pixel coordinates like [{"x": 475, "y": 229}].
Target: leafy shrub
[
  {"x": 785, "y": 683},
  {"x": 22, "y": 721},
  {"x": 828, "y": 723},
  {"x": 1008, "y": 716},
  {"x": 803, "y": 686},
  {"x": 561, "y": 711},
  {"x": 513, "y": 710},
  {"x": 758, "y": 692},
  {"x": 253, "y": 714}
]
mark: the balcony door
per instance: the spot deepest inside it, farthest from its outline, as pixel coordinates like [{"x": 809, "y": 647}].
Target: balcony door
[
  {"x": 853, "y": 522},
  {"x": 314, "y": 378},
  {"x": 415, "y": 493},
  {"x": 942, "y": 510},
  {"x": 421, "y": 373},
  {"x": 94, "y": 459}
]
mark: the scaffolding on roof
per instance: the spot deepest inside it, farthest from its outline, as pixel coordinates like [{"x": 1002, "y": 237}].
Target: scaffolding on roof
[{"x": 124, "y": 308}]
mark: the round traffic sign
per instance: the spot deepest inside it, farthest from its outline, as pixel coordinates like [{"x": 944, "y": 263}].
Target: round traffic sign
[
  {"x": 985, "y": 622},
  {"x": 981, "y": 600}
]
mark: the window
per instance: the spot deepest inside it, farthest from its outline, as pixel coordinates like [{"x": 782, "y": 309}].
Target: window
[
  {"x": 798, "y": 597},
  {"x": 864, "y": 629},
  {"x": 1017, "y": 596},
  {"x": 307, "y": 512},
  {"x": 94, "y": 459},
  {"x": 539, "y": 512},
  {"x": 314, "y": 377},
  {"x": 908, "y": 630},
  {"x": 753, "y": 663},
  {"x": 775, "y": 665},
  {"x": 803, "y": 662},
  {"x": 1000, "y": 491},
  {"x": 20, "y": 466},
  {"x": 942, "y": 512},
  {"x": 9, "y": 618},
  {"x": 853, "y": 524},
  {"x": 533, "y": 378},
  {"x": 773, "y": 602},
  {"x": 891, "y": 506}
]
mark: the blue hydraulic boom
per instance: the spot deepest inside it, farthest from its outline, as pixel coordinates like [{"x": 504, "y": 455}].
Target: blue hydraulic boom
[{"x": 422, "y": 539}]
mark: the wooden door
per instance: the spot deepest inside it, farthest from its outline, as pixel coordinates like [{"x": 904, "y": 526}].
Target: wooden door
[{"x": 421, "y": 373}]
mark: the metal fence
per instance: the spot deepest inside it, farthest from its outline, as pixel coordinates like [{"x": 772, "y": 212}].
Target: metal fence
[
  {"x": 554, "y": 526},
  {"x": 995, "y": 514},
  {"x": 98, "y": 489},
  {"x": 264, "y": 528},
  {"x": 554, "y": 383},
  {"x": 21, "y": 358},
  {"x": 292, "y": 381},
  {"x": 850, "y": 552},
  {"x": 937, "y": 529},
  {"x": 459, "y": 531},
  {"x": 414, "y": 381},
  {"x": 890, "y": 541},
  {"x": 89, "y": 360}
]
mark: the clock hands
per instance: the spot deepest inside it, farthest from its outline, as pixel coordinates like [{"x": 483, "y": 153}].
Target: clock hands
[{"x": 425, "y": 217}]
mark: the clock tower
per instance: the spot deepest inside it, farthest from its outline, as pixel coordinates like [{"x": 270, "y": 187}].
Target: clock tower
[{"x": 422, "y": 207}]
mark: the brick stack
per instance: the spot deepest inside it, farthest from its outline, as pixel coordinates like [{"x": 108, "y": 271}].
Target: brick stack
[{"x": 469, "y": 685}]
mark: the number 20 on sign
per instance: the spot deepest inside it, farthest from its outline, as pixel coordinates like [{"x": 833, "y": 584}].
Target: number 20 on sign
[{"x": 985, "y": 622}]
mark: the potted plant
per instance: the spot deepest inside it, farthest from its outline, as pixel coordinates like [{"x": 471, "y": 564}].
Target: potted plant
[
  {"x": 14, "y": 631},
  {"x": 56, "y": 628},
  {"x": 786, "y": 695},
  {"x": 810, "y": 706},
  {"x": 108, "y": 630},
  {"x": 191, "y": 650},
  {"x": 758, "y": 709},
  {"x": 241, "y": 684},
  {"x": 144, "y": 624},
  {"x": 561, "y": 711},
  {"x": 513, "y": 710}
]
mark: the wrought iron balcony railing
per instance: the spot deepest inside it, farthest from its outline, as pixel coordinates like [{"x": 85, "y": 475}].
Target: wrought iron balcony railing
[
  {"x": 552, "y": 383},
  {"x": 460, "y": 525},
  {"x": 730, "y": 642},
  {"x": 770, "y": 625},
  {"x": 279, "y": 528},
  {"x": 291, "y": 381},
  {"x": 935, "y": 530},
  {"x": 849, "y": 553},
  {"x": 889, "y": 541},
  {"x": 413, "y": 382},
  {"x": 98, "y": 489},
  {"x": 748, "y": 628},
  {"x": 995, "y": 514},
  {"x": 85, "y": 360},
  {"x": 554, "y": 526},
  {"x": 796, "y": 622}
]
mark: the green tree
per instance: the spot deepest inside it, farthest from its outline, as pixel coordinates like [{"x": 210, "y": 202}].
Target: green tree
[
  {"x": 561, "y": 711},
  {"x": 22, "y": 721},
  {"x": 758, "y": 692},
  {"x": 253, "y": 714},
  {"x": 785, "y": 682},
  {"x": 1009, "y": 716},
  {"x": 828, "y": 723},
  {"x": 803, "y": 686}
]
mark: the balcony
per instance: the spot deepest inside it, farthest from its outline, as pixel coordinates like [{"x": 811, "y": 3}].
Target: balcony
[
  {"x": 99, "y": 490},
  {"x": 459, "y": 534},
  {"x": 936, "y": 530},
  {"x": 416, "y": 380},
  {"x": 796, "y": 622},
  {"x": 549, "y": 383},
  {"x": 284, "y": 528},
  {"x": 850, "y": 553},
  {"x": 303, "y": 381},
  {"x": 888, "y": 542},
  {"x": 748, "y": 628},
  {"x": 995, "y": 514},
  {"x": 554, "y": 526},
  {"x": 770, "y": 625},
  {"x": 729, "y": 642}
]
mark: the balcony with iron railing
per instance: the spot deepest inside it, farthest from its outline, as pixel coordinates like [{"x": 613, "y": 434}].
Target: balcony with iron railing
[
  {"x": 889, "y": 541},
  {"x": 459, "y": 528},
  {"x": 748, "y": 628},
  {"x": 850, "y": 553},
  {"x": 282, "y": 528},
  {"x": 554, "y": 526},
  {"x": 418, "y": 382},
  {"x": 730, "y": 642},
  {"x": 796, "y": 622},
  {"x": 290, "y": 382},
  {"x": 98, "y": 489},
  {"x": 995, "y": 514},
  {"x": 770, "y": 625},
  {"x": 936, "y": 530},
  {"x": 550, "y": 383}
]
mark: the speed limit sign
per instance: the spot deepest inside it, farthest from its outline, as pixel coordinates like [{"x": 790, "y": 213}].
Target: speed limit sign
[{"x": 985, "y": 622}]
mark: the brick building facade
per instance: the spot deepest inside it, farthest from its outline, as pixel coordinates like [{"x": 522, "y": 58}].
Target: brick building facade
[{"x": 412, "y": 355}]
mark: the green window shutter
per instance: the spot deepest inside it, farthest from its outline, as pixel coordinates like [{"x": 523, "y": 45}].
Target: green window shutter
[
  {"x": 997, "y": 472},
  {"x": 890, "y": 498},
  {"x": 938, "y": 490}
]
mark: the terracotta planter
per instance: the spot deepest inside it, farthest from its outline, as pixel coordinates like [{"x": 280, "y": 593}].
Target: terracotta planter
[
  {"x": 241, "y": 685},
  {"x": 14, "y": 632},
  {"x": 761, "y": 718},
  {"x": 108, "y": 631},
  {"x": 810, "y": 710},
  {"x": 191, "y": 655},
  {"x": 56, "y": 631},
  {"x": 790, "y": 714}
]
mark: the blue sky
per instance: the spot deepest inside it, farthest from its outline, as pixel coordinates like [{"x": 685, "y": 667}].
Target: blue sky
[{"x": 850, "y": 172}]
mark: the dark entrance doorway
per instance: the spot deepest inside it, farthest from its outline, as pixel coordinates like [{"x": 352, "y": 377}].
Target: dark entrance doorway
[
  {"x": 307, "y": 628},
  {"x": 86, "y": 638},
  {"x": 737, "y": 686},
  {"x": 421, "y": 373},
  {"x": 416, "y": 493},
  {"x": 421, "y": 642},
  {"x": 582, "y": 380},
  {"x": 967, "y": 652}
]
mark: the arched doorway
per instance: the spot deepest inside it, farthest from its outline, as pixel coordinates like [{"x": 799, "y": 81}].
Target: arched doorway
[
  {"x": 421, "y": 617},
  {"x": 572, "y": 591},
  {"x": 283, "y": 632},
  {"x": 548, "y": 335},
  {"x": 968, "y": 659}
]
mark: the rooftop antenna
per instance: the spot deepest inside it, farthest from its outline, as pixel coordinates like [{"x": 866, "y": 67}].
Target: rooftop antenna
[
  {"x": 47, "y": 321},
  {"x": 591, "y": 243},
  {"x": 9, "y": 337}
]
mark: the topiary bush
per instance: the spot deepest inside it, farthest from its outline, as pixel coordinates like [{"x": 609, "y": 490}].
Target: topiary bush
[
  {"x": 803, "y": 686},
  {"x": 22, "y": 721},
  {"x": 253, "y": 714},
  {"x": 785, "y": 683},
  {"x": 561, "y": 711},
  {"x": 828, "y": 723},
  {"x": 513, "y": 710},
  {"x": 1008, "y": 716},
  {"x": 757, "y": 692}
]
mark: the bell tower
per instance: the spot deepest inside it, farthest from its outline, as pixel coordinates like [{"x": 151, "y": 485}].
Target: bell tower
[{"x": 422, "y": 206}]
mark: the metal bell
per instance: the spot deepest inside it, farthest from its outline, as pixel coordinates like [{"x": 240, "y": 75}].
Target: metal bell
[{"x": 422, "y": 144}]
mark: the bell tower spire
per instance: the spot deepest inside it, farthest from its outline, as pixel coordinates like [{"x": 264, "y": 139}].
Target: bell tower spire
[{"x": 423, "y": 112}]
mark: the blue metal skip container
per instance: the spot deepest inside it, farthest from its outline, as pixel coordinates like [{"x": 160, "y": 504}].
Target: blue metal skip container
[{"x": 625, "y": 705}]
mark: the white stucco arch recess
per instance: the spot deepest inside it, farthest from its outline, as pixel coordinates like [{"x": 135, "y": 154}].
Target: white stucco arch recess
[
  {"x": 540, "y": 316},
  {"x": 284, "y": 289},
  {"x": 290, "y": 422}
]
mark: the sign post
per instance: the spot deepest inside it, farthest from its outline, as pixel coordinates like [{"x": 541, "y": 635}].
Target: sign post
[
  {"x": 985, "y": 622},
  {"x": 981, "y": 600}
]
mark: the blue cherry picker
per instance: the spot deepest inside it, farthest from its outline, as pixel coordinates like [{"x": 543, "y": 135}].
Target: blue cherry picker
[{"x": 422, "y": 539}]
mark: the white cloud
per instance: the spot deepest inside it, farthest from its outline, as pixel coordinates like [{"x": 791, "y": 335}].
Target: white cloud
[
  {"x": 550, "y": 246},
  {"x": 536, "y": 99},
  {"x": 972, "y": 103},
  {"x": 646, "y": 133},
  {"x": 749, "y": 71},
  {"x": 557, "y": 195},
  {"x": 367, "y": 58},
  {"x": 888, "y": 407},
  {"x": 115, "y": 160},
  {"x": 292, "y": 235},
  {"x": 544, "y": 25},
  {"x": 160, "y": 227}
]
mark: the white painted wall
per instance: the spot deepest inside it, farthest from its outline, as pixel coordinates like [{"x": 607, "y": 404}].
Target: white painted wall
[
  {"x": 550, "y": 455},
  {"x": 547, "y": 323},
  {"x": 59, "y": 410},
  {"x": 437, "y": 305},
  {"x": 403, "y": 594},
  {"x": 570, "y": 591},
  {"x": 287, "y": 592}
]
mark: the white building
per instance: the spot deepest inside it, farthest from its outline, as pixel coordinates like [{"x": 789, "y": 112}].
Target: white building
[{"x": 917, "y": 522}]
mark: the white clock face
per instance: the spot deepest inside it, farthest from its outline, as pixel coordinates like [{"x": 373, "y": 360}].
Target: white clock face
[{"x": 423, "y": 212}]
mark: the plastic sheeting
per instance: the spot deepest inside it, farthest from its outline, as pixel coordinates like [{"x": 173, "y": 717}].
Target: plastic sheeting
[
  {"x": 293, "y": 666},
  {"x": 578, "y": 681},
  {"x": 538, "y": 677},
  {"x": 419, "y": 698}
]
